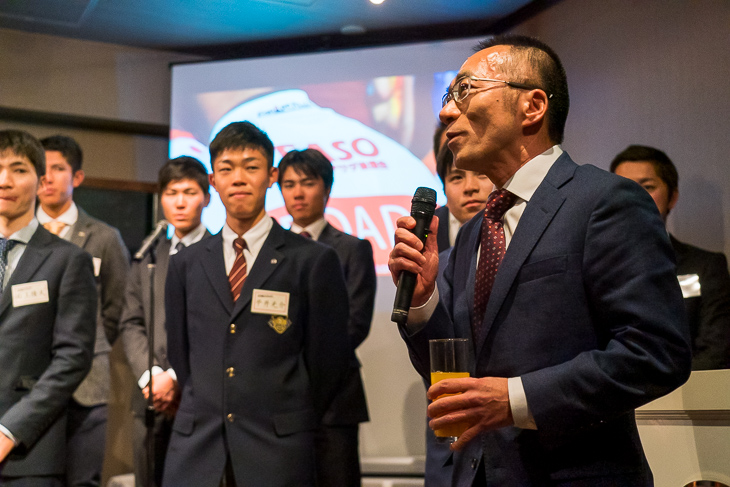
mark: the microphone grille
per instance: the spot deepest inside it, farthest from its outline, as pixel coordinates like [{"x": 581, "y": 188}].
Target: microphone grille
[{"x": 424, "y": 201}]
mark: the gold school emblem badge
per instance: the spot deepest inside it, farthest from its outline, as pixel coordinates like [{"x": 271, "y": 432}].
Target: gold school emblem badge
[{"x": 279, "y": 323}]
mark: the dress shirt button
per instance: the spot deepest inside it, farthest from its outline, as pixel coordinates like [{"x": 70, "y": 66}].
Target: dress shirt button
[
  {"x": 231, "y": 417},
  {"x": 230, "y": 371},
  {"x": 232, "y": 328}
]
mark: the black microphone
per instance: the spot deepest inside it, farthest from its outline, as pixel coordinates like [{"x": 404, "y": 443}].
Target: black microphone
[
  {"x": 423, "y": 205},
  {"x": 151, "y": 240}
]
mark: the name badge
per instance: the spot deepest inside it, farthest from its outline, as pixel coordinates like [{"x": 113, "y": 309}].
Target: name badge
[
  {"x": 690, "y": 284},
  {"x": 97, "y": 266},
  {"x": 30, "y": 293},
  {"x": 270, "y": 302}
]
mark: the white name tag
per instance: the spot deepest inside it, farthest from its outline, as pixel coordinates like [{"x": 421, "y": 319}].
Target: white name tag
[
  {"x": 270, "y": 302},
  {"x": 30, "y": 293},
  {"x": 690, "y": 284},
  {"x": 97, "y": 266}
]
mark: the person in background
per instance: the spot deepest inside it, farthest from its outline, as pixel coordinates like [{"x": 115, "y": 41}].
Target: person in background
[
  {"x": 575, "y": 318},
  {"x": 184, "y": 193},
  {"x": 305, "y": 179},
  {"x": 48, "y": 317},
  {"x": 256, "y": 332},
  {"x": 703, "y": 275},
  {"x": 59, "y": 214}
]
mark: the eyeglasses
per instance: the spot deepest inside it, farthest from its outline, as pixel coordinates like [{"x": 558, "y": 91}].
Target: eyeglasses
[{"x": 462, "y": 88}]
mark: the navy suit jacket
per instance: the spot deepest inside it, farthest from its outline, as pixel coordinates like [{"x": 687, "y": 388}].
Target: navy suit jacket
[
  {"x": 586, "y": 309},
  {"x": 358, "y": 266},
  {"x": 45, "y": 352},
  {"x": 250, "y": 391},
  {"x": 709, "y": 313},
  {"x": 442, "y": 237}
]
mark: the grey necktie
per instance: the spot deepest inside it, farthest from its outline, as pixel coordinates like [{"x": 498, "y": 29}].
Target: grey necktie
[
  {"x": 5, "y": 247},
  {"x": 179, "y": 246}
]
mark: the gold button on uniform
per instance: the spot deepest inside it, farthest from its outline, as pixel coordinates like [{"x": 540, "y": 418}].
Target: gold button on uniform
[
  {"x": 230, "y": 371},
  {"x": 232, "y": 328},
  {"x": 230, "y": 417}
]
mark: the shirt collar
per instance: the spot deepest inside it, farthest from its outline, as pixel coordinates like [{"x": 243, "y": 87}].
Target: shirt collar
[
  {"x": 69, "y": 217},
  {"x": 190, "y": 238},
  {"x": 255, "y": 237},
  {"x": 24, "y": 234},
  {"x": 314, "y": 229},
  {"x": 525, "y": 181}
]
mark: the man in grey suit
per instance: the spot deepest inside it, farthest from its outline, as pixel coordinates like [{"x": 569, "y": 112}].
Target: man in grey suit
[
  {"x": 47, "y": 323},
  {"x": 184, "y": 192},
  {"x": 305, "y": 179},
  {"x": 87, "y": 414}
]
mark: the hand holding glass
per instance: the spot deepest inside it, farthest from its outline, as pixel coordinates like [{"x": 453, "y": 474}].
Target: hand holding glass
[{"x": 449, "y": 360}]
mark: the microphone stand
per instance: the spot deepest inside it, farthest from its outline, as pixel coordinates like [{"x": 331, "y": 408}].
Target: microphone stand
[{"x": 150, "y": 411}]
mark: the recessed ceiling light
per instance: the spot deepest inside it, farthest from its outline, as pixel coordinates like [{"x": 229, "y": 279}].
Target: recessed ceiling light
[
  {"x": 376, "y": 2},
  {"x": 352, "y": 29}
]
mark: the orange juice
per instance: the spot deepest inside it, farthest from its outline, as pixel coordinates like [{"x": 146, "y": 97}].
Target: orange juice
[{"x": 454, "y": 430}]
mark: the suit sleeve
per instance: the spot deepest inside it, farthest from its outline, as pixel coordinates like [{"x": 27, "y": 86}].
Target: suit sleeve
[
  {"x": 74, "y": 332},
  {"x": 361, "y": 282},
  {"x": 327, "y": 347},
  {"x": 132, "y": 322},
  {"x": 712, "y": 342},
  {"x": 636, "y": 307},
  {"x": 176, "y": 319},
  {"x": 113, "y": 274}
]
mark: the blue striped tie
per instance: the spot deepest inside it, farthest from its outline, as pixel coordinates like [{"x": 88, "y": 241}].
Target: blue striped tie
[{"x": 5, "y": 247}]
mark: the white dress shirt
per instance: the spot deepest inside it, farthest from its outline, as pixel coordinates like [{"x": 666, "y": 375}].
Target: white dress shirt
[
  {"x": 522, "y": 184},
  {"x": 314, "y": 229},
  {"x": 255, "y": 238},
  {"x": 69, "y": 217}
]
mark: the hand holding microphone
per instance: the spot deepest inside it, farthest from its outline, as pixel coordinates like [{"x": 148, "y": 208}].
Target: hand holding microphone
[{"x": 413, "y": 262}]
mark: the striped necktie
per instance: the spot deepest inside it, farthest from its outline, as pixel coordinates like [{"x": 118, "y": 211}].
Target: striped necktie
[
  {"x": 5, "y": 247},
  {"x": 237, "y": 276}
]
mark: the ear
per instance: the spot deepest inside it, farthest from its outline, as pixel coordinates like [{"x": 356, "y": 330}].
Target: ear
[
  {"x": 273, "y": 176},
  {"x": 211, "y": 180},
  {"x": 672, "y": 201},
  {"x": 78, "y": 178},
  {"x": 207, "y": 199},
  {"x": 534, "y": 107}
]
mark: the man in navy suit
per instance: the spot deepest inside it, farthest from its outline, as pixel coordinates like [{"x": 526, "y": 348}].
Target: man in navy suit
[
  {"x": 305, "y": 179},
  {"x": 47, "y": 323},
  {"x": 578, "y": 317},
  {"x": 257, "y": 335},
  {"x": 702, "y": 274}
]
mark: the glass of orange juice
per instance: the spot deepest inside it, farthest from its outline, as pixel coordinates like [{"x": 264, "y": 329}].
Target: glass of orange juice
[{"x": 449, "y": 360}]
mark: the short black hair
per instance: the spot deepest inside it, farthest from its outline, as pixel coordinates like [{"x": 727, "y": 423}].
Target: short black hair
[
  {"x": 68, "y": 147},
  {"x": 545, "y": 64},
  {"x": 22, "y": 144},
  {"x": 183, "y": 167},
  {"x": 241, "y": 136},
  {"x": 440, "y": 129},
  {"x": 663, "y": 165},
  {"x": 311, "y": 163},
  {"x": 444, "y": 163}
]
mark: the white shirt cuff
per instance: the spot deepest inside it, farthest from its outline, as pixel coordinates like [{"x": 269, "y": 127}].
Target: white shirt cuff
[
  {"x": 419, "y": 316},
  {"x": 172, "y": 374},
  {"x": 518, "y": 404},
  {"x": 145, "y": 379},
  {"x": 7, "y": 433}
]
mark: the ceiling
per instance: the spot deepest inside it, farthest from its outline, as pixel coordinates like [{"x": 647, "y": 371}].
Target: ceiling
[{"x": 230, "y": 28}]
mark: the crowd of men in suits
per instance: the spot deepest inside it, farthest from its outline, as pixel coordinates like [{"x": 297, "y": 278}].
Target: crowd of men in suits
[{"x": 562, "y": 276}]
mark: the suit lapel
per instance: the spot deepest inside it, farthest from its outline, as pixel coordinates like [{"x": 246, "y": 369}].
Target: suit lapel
[
  {"x": 329, "y": 236},
  {"x": 538, "y": 213},
  {"x": 81, "y": 230},
  {"x": 269, "y": 258},
  {"x": 36, "y": 252},
  {"x": 215, "y": 269}
]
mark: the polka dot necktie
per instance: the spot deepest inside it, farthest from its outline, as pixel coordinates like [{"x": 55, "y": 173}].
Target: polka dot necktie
[
  {"x": 237, "y": 276},
  {"x": 492, "y": 250},
  {"x": 5, "y": 247}
]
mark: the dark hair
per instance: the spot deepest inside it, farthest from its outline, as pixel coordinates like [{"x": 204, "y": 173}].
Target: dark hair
[
  {"x": 663, "y": 166},
  {"x": 311, "y": 163},
  {"x": 440, "y": 129},
  {"x": 241, "y": 136},
  {"x": 68, "y": 148},
  {"x": 183, "y": 167},
  {"x": 545, "y": 64},
  {"x": 22, "y": 144},
  {"x": 444, "y": 163}
]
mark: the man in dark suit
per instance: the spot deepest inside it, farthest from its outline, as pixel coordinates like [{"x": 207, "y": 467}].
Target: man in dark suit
[
  {"x": 184, "y": 193},
  {"x": 565, "y": 284},
  {"x": 305, "y": 179},
  {"x": 703, "y": 275},
  {"x": 87, "y": 413},
  {"x": 257, "y": 334},
  {"x": 47, "y": 322}
]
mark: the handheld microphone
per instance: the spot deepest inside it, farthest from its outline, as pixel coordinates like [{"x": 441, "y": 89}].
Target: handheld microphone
[
  {"x": 423, "y": 205},
  {"x": 151, "y": 239}
]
